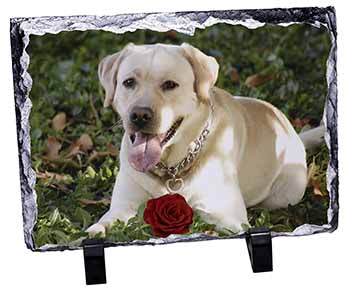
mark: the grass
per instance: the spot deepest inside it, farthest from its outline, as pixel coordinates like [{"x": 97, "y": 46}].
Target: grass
[{"x": 75, "y": 140}]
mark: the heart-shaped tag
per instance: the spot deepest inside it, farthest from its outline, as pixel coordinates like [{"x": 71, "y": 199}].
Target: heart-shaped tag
[{"x": 174, "y": 185}]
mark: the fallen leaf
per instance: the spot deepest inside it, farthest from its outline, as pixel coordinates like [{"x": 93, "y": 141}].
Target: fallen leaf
[
  {"x": 212, "y": 233},
  {"x": 300, "y": 123},
  {"x": 311, "y": 172},
  {"x": 172, "y": 34},
  {"x": 257, "y": 80},
  {"x": 316, "y": 184},
  {"x": 85, "y": 142},
  {"x": 56, "y": 176},
  {"x": 61, "y": 187},
  {"x": 297, "y": 123},
  {"x": 62, "y": 162},
  {"x": 59, "y": 121},
  {"x": 49, "y": 175},
  {"x": 96, "y": 155},
  {"x": 104, "y": 201},
  {"x": 112, "y": 150},
  {"x": 73, "y": 150},
  {"x": 234, "y": 75},
  {"x": 52, "y": 148}
]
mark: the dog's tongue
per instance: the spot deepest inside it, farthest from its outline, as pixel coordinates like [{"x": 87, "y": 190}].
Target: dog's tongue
[{"x": 145, "y": 152}]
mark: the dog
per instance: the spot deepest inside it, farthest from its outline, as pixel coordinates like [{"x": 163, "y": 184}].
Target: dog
[{"x": 183, "y": 135}]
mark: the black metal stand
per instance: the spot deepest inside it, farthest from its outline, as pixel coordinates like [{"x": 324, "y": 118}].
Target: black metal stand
[
  {"x": 259, "y": 243},
  {"x": 94, "y": 260}
]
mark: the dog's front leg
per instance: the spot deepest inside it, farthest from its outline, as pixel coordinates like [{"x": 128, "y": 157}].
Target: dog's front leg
[
  {"x": 126, "y": 198},
  {"x": 220, "y": 202}
]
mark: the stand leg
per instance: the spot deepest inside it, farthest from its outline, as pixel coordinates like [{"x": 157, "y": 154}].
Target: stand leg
[
  {"x": 259, "y": 243},
  {"x": 94, "y": 260}
]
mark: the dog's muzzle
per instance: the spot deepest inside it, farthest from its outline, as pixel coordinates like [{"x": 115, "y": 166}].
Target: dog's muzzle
[{"x": 140, "y": 117}]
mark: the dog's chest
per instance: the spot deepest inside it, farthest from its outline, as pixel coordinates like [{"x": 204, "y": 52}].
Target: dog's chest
[{"x": 215, "y": 177}]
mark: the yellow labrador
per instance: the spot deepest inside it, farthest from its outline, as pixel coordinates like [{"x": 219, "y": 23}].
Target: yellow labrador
[{"x": 184, "y": 135}]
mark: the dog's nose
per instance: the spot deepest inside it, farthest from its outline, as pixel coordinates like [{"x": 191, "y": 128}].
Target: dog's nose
[{"x": 140, "y": 116}]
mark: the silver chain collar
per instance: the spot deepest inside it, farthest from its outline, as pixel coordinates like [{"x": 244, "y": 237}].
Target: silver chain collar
[{"x": 175, "y": 184}]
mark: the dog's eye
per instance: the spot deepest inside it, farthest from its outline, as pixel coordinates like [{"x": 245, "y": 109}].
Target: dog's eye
[
  {"x": 169, "y": 85},
  {"x": 129, "y": 83}
]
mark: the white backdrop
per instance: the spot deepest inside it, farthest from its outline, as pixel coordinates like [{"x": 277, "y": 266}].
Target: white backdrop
[{"x": 318, "y": 261}]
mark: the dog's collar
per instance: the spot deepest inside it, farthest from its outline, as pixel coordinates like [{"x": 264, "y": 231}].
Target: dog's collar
[{"x": 175, "y": 184}]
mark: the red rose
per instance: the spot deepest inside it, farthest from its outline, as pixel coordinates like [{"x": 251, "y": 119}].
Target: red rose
[{"x": 169, "y": 214}]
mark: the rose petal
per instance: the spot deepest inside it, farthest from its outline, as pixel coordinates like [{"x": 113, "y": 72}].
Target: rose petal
[
  {"x": 163, "y": 214},
  {"x": 168, "y": 214}
]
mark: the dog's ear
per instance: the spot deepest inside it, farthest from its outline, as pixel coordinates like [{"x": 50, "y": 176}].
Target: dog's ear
[
  {"x": 107, "y": 73},
  {"x": 205, "y": 70}
]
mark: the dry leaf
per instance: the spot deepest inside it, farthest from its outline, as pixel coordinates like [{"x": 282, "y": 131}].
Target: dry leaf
[
  {"x": 85, "y": 142},
  {"x": 56, "y": 176},
  {"x": 257, "y": 79},
  {"x": 316, "y": 187},
  {"x": 212, "y": 233},
  {"x": 73, "y": 149},
  {"x": 172, "y": 34},
  {"x": 59, "y": 121},
  {"x": 49, "y": 175},
  {"x": 96, "y": 155},
  {"x": 234, "y": 74},
  {"x": 60, "y": 180},
  {"x": 62, "y": 162},
  {"x": 300, "y": 123},
  {"x": 61, "y": 187},
  {"x": 112, "y": 150},
  {"x": 311, "y": 172},
  {"x": 297, "y": 123},
  {"x": 317, "y": 192},
  {"x": 52, "y": 148},
  {"x": 104, "y": 201}
]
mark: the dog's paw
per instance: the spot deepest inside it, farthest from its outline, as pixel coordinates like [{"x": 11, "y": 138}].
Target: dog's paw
[{"x": 96, "y": 230}]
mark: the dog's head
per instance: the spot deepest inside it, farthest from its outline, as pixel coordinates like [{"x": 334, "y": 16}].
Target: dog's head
[{"x": 156, "y": 89}]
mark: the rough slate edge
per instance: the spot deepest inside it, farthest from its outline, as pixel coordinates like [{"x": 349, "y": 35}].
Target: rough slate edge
[{"x": 185, "y": 22}]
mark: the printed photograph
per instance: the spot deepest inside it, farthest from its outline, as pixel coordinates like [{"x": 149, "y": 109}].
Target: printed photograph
[{"x": 144, "y": 135}]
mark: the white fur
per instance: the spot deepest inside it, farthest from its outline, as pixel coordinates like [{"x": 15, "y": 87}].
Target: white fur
[{"x": 252, "y": 154}]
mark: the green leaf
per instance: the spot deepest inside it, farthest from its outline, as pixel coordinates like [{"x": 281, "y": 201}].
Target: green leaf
[
  {"x": 90, "y": 172},
  {"x": 60, "y": 237},
  {"x": 55, "y": 216},
  {"x": 83, "y": 216},
  {"x": 140, "y": 211}
]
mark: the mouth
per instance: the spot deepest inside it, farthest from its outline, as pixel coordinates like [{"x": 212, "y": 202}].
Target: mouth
[
  {"x": 145, "y": 150},
  {"x": 164, "y": 137},
  {"x": 171, "y": 132}
]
